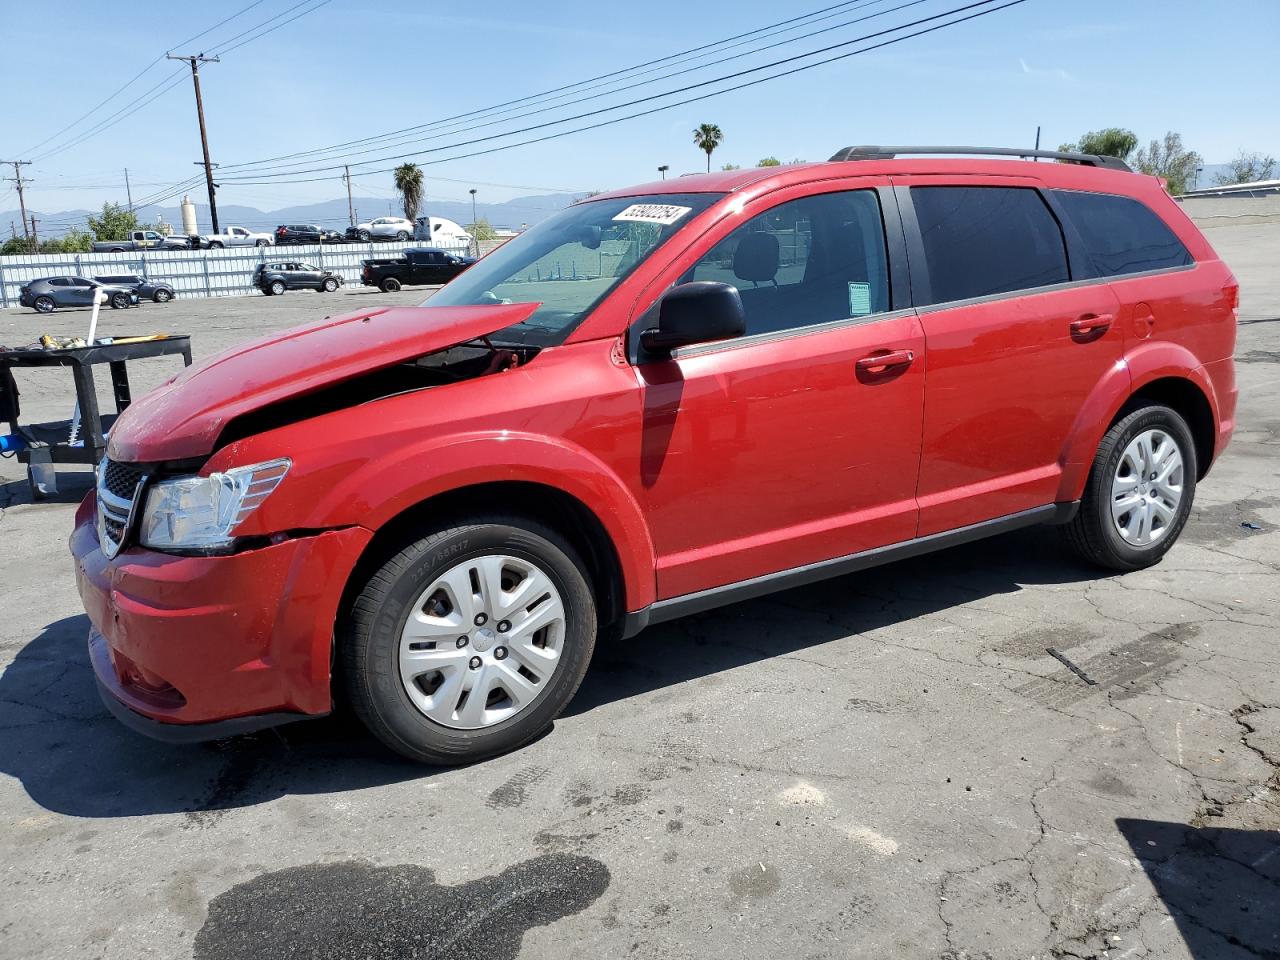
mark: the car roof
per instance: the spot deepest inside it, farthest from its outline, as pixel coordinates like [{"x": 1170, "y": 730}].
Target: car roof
[{"x": 1063, "y": 175}]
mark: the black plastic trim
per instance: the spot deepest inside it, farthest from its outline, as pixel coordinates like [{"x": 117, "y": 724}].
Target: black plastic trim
[
  {"x": 888, "y": 153},
  {"x": 195, "y": 732},
  {"x": 1053, "y": 513}
]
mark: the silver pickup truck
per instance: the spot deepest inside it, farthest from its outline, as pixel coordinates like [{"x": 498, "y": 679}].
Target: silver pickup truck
[
  {"x": 237, "y": 237},
  {"x": 142, "y": 240}
]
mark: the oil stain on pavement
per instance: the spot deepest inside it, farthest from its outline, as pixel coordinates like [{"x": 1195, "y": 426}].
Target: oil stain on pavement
[{"x": 379, "y": 913}]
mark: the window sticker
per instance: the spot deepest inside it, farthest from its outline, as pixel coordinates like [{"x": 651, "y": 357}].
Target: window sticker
[
  {"x": 859, "y": 299},
  {"x": 664, "y": 214}
]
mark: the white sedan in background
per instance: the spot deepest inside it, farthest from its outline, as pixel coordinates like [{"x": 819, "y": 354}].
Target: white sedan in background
[{"x": 385, "y": 228}]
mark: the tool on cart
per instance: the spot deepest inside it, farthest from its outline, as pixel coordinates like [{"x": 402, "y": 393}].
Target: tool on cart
[{"x": 43, "y": 445}]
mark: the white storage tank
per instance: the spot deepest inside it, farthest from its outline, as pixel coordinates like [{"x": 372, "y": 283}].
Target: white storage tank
[{"x": 188, "y": 217}]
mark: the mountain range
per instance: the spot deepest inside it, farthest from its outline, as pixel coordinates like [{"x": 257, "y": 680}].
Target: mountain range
[{"x": 329, "y": 213}]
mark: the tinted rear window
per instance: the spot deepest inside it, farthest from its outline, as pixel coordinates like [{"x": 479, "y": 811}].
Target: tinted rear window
[
  {"x": 1122, "y": 235},
  {"x": 980, "y": 241}
]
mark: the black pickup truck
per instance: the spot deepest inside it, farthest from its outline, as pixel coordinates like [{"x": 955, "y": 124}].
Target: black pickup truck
[{"x": 422, "y": 265}]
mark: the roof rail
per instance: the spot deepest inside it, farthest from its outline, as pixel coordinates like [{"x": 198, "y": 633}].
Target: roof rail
[{"x": 888, "y": 153}]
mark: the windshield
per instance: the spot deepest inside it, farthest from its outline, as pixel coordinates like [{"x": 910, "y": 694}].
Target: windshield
[{"x": 568, "y": 263}]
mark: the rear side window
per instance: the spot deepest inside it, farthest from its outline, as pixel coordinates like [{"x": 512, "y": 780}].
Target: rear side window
[
  {"x": 980, "y": 241},
  {"x": 1122, "y": 235}
]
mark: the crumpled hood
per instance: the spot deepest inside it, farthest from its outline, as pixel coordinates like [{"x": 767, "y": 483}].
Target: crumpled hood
[{"x": 183, "y": 418}]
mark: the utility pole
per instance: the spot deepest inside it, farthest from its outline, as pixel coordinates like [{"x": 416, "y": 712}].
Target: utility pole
[
  {"x": 195, "y": 62},
  {"x": 473, "y": 209},
  {"x": 20, "y": 180},
  {"x": 35, "y": 239},
  {"x": 663, "y": 170},
  {"x": 128, "y": 192},
  {"x": 351, "y": 210}
]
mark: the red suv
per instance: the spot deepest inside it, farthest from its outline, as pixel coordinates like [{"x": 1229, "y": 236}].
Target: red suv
[{"x": 659, "y": 400}]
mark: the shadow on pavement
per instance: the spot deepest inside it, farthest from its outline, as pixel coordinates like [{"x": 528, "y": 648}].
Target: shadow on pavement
[
  {"x": 74, "y": 758},
  {"x": 1221, "y": 886},
  {"x": 786, "y": 622}
]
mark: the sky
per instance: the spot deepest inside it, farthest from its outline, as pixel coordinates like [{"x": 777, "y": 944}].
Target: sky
[{"x": 351, "y": 69}]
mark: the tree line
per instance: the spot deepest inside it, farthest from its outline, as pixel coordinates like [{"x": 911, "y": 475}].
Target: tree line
[{"x": 1170, "y": 159}]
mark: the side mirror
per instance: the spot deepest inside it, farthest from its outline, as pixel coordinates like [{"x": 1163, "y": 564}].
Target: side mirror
[
  {"x": 589, "y": 237},
  {"x": 696, "y": 312}
]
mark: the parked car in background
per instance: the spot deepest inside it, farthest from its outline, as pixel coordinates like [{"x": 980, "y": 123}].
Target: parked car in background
[
  {"x": 142, "y": 240},
  {"x": 306, "y": 233},
  {"x": 768, "y": 378},
  {"x": 46, "y": 295},
  {"x": 144, "y": 288},
  {"x": 385, "y": 228},
  {"x": 237, "y": 237},
  {"x": 274, "y": 279},
  {"x": 421, "y": 266}
]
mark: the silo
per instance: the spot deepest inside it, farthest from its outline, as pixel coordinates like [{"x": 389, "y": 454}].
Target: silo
[{"x": 188, "y": 217}]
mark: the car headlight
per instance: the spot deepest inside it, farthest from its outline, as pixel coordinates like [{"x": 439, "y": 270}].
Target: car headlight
[{"x": 201, "y": 513}]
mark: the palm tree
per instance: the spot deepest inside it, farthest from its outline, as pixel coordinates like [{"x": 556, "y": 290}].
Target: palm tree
[
  {"x": 408, "y": 179},
  {"x": 707, "y": 136}
]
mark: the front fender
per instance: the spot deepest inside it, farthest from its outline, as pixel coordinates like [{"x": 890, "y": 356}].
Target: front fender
[
  {"x": 380, "y": 489},
  {"x": 1145, "y": 363}
]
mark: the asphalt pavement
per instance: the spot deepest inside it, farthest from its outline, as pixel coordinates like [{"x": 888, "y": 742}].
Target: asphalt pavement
[{"x": 889, "y": 764}]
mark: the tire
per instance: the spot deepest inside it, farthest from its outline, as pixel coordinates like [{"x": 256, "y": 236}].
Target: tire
[
  {"x": 371, "y": 641},
  {"x": 162, "y": 296},
  {"x": 364, "y": 236},
  {"x": 262, "y": 243},
  {"x": 277, "y": 288},
  {"x": 330, "y": 285},
  {"x": 389, "y": 285},
  {"x": 215, "y": 244},
  {"x": 119, "y": 301},
  {"x": 45, "y": 304},
  {"x": 402, "y": 236},
  {"x": 1115, "y": 482}
]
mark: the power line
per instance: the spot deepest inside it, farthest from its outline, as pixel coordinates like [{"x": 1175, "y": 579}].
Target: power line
[
  {"x": 171, "y": 81},
  {"x": 567, "y": 87},
  {"x": 19, "y": 180},
  {"x": 119, "y": 90},
  {"x": 664, "y": 94},
  {"x": 701, "y": 65}
]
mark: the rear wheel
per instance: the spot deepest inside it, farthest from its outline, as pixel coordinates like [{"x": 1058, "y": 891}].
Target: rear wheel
[
  {"x": 469, "y": 642},
  {"x": 390, "y": 285},
  {"x": 215, "y": 244},
  {"x": 277, "y": 288},
  {"x": 262, "y": 243},
  {"x": 44, "y": 304},
  {"x": 401, "y": 235},
  {"x": 1139, "y": 493}
]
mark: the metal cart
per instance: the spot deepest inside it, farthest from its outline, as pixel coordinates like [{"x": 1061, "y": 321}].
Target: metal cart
[{"x": 53, "y": 440}]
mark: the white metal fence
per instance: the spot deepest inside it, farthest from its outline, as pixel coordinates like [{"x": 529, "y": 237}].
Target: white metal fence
[{"x": 196, "y": 273}]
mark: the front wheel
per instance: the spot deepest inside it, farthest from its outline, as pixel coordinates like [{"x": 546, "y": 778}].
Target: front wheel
[
  {"x": 1139, "y": 492},
  {"x": 119, "y": 301},
  {"x": 469, "y": 641},
  {"x": 162, "y": 296},
  {"x": 45, "y": 304},
  {"x": 330, "y": 285},
  {"x": 215, "y": 245},
  {"x": 262, "y": 243}
]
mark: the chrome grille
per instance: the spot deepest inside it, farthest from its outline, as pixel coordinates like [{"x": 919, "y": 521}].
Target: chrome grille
[{"x": 119, "y": 485}]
